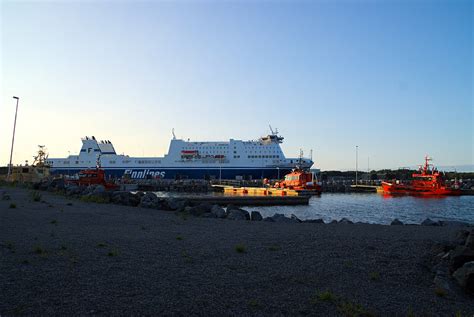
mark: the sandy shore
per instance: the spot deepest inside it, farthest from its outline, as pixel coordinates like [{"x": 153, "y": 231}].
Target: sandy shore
[{"x": 67, "y": 257}]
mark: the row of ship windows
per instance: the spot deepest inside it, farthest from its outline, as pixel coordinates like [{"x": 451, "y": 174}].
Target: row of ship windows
[
  {"x": 113, "y": 162},
  {"x": 264, "y": 156}
]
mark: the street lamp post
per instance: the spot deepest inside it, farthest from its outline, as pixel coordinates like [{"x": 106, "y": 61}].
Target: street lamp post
[
  {"x": 13, "y": 139},
  {"x": 357, "y": 162}
]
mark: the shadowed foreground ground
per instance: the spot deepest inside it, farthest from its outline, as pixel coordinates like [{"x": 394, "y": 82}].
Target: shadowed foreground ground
[{"x": 106, "y": 259}]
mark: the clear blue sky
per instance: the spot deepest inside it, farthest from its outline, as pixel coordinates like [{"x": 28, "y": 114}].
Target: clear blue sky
[{"x": 394, "y": 77}]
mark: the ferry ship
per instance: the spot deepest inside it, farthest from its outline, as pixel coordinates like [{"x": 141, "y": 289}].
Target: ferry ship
[{"x": 233, "y": 159}]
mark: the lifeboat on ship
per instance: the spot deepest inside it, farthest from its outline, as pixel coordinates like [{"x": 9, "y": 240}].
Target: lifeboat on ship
[
  {"x": 300, "y": 181},
  {"x": 428, "y": 181}
]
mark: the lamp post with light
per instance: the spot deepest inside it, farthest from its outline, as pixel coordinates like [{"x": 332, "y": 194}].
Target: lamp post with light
[{"x": 13, "y": 139}]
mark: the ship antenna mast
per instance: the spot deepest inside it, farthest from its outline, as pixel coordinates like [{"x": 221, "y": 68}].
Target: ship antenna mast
[
  {"x": 174, "y": 136},
  {"x": 271, "y": 130}
]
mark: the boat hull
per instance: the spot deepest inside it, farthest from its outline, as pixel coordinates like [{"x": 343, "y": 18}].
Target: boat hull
[
  {"x": 184, "y": 173},
  {"x": 405, "y": 189}
]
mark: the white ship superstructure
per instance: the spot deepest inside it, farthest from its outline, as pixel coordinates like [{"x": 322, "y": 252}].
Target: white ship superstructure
[{"x": 234, "y": 159}]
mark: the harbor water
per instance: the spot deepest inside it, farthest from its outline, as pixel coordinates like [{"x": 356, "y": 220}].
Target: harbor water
[
  {"x": 380, "y": 209},
  {"x": 372, "y": 208}
]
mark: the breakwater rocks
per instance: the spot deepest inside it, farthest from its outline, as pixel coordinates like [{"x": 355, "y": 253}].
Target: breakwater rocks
[{"x": 454, "y": 266}]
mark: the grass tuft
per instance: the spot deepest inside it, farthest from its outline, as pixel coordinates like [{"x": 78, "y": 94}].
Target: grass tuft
[
  {"x": 25, "y": 262},
  {"x": 179, "y": 238},
  {"x": 101, "y": 245},
  {"x": 12, "y": 205},
  {"x": 63, "y": 247},
  {"x": 94, "y": 199},
  {"x": 374, "y": 276},
  {"x": 274, "y": 248},
  {"x": 440, "y": 292},
  {"x": 113, "y": 253},
  {"x": 240, "y": 248},
  {"x": 350, "y": 309},
  {"x": 36, "y": 196},
  {"x": 53, "y": 222},
  {"x": 39, "y": 250}
]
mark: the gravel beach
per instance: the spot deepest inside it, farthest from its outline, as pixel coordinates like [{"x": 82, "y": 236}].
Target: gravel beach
[{"x": 62, "y": 256}]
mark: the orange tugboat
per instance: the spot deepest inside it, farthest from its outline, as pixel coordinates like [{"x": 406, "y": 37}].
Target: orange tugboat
[
  {"x": 428, "y": 181},
  {"x": 301, "y": 181},
  {"x": 93, "y": 176}
]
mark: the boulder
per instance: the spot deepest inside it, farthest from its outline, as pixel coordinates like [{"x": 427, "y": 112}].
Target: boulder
[
  {"x": 314, "y": 221},
  {"x": 255, "y": 216},
  {"x": 429, "y": 222},
  {"x": 149, "y": 200},
  {"x": 345, "y": 221},
  {"x": 333, "y": 222},
  {"x": 268, "y": 219},
  {"x": 292, "y": 216},
  {"x": 4, "y": 195},
  {"x": 396, "y": 222},
  {"x": 282, "y": 219},
  {"x": 99, "y": 189},
  {"x": 218, "y": 211},
  {"x": 177, "y": 203},
  {"x": 465, "y": 276},
  {"x": 459, "y": 256},
  {"x": 470, "y": 240},
  {"x": 236, "y": 214},
  {"x": 461, "y": 237},
  {"x": 200, "y": 209}
]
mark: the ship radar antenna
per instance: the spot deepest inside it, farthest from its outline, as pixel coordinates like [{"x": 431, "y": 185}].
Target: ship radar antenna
[
  {"x": 271, "y": 130},
  {"x": 174, "y": 136}
]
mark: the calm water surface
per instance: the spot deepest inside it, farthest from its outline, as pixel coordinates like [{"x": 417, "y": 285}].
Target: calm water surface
[{"x": 375, "y": 208}]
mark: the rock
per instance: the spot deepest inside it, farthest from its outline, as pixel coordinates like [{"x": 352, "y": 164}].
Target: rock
[
  {"x": 396, "y": 222},
  {"x": 99, "y": 189},
  {"x": 442, "y": 279},
  {"x": 461, "y": 237},
  {"x": 459, "y": 256},
  {"x": 429, "y": 222},
  {"x": 470, "y": 241},
  {"x": 218, "y": 211},
  {"x": 176, "y": 204},
  {"x": 314, "y": 221},
  {"x": 282, "y": 219},
  {"x": 268, "y": 219},
  {"x": 236, "y": 214},
  {"x": 465, "y": 276},
  {"x": 346, "y": 221},
  {"x": 149, "y": 200},
  {"x": 4, "y": 195},
  {"x": 255, "y": 216},
  {"x": 292, "y": 216},
  {"x": 200, "y": 209},
  {"x": 333, "y": 222}
]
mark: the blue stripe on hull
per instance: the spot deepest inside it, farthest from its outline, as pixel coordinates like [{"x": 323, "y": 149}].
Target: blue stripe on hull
[{"x": 143, "y": 173}]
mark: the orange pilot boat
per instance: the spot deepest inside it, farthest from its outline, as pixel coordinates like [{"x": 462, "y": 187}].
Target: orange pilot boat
[
  {"x": 93, "y": 176},
  {"x": 428, "y": 181},
  {"x": 300, "y": 181}
]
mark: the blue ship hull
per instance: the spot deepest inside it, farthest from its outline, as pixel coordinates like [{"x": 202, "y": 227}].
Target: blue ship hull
[{"x": 185, "y": 173}]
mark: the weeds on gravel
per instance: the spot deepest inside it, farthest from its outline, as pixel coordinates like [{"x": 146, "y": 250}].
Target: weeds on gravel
[
  {"x": 113, "y": 253},
  {"x": 253, "y": 304},
  {"x": 274, "y": 248},
  {"x": 39, "y": 250},
  {"x": 179, "y": 238},
  {"x": 350, "y": 309},
  {"x": 53, "y": 222},
  {"x": 440, "y": 292},
  {"x": 12, "y": 205},
  {"x": 186, "y": 256},
  {"x": 25, "y": 262},
  {"x": 348, "y": 264},
  {"x": 240, "y": 248},
  {"x": 63, "y": 247},
  {"x": 326, "y": 296},
  {"x": 101, "y": 245},
  {"x": 374, "y": 276},
  {"x": 9, "y": 245},
  {"x": 36, "y": 196}
]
